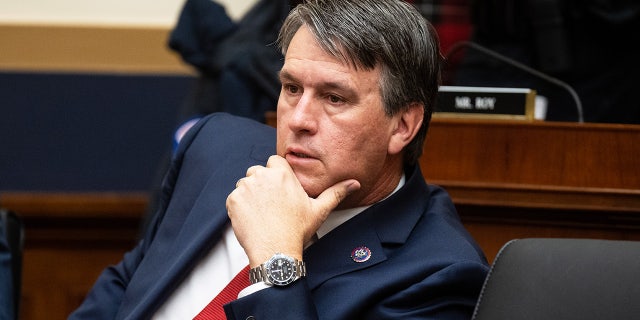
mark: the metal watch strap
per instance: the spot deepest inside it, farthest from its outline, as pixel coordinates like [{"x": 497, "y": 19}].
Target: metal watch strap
[{"x": 259, "y": 273}]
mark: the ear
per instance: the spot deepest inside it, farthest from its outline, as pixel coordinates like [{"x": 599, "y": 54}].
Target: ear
[{"x": 408, "y": 123}]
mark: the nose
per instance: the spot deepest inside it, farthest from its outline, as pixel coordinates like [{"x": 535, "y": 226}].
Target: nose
[{"x": 303, "y": 116}]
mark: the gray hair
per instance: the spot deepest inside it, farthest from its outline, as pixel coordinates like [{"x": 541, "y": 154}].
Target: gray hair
[{"x": 389, "y": 33}]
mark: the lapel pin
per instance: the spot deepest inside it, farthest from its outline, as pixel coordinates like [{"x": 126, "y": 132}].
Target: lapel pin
[{"x": 360, "y": 254}]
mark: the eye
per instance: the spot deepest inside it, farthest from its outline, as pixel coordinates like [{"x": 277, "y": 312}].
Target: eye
[
  {"x": 335, "y": 99},
  {"x": 293, "y": 89}
]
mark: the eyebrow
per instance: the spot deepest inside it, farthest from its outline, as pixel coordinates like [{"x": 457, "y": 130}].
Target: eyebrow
[
  {"x": 284, "y": 75},
  {"x": 339, "y": 85}
]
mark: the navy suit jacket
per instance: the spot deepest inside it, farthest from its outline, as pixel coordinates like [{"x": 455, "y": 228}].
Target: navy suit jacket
[{"x": 423, "y": 264}]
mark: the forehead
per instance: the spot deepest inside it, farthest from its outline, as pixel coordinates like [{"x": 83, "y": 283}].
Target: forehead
[
  {"x": 305, "y": 46},
  {"x": 306, "y": 60}
]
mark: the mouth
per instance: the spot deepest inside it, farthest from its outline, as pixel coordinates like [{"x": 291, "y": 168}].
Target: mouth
[
  {"x": 294, "y": 155},
  {"x": 299, "y": 155}
]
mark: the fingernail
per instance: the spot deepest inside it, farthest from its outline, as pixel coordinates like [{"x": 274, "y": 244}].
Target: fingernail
[{"x": 353, "y": 186}]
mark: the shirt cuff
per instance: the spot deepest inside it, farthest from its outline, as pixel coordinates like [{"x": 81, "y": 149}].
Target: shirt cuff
[{"x": 253, "y": 288}]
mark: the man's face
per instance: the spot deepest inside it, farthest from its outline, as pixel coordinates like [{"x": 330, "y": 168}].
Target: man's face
[{"x": 331, "y": 122}]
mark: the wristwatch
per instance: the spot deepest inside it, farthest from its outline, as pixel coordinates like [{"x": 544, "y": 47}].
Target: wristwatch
[{"x": 280, "y": 270}]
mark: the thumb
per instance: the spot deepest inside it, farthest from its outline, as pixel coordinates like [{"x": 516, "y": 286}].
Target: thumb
[{"x": 332, "y": 196}]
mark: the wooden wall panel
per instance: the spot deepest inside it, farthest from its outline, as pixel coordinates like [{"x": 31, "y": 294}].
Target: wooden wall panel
[
  {"x": 69, "y": 239},
  {"x": 493, "y": 235},
  {"x": 72, "y": 48}
]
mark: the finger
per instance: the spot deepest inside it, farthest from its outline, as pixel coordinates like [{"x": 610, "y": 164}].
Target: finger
[
  {"x": 273, "y": 161},
  {"x": 332, "y": 196},
  {"x": 253, "y": 170},
  {"x": 277, "y": 161}
]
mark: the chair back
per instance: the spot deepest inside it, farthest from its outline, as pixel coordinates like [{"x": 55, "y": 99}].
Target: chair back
[
  {"x": 562, "y": 279},
  {"x": 13, "y": 231}
]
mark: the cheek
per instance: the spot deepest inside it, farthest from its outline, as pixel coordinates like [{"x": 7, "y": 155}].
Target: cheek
[
  {"x": 373, "y": 135},
  {"x": 280, "y": 146},
  {"x": 353, "y": 149},
  {"x": 362, "y": 128}
]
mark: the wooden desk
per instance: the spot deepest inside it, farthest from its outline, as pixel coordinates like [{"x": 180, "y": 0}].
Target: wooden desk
[
  {"x": 559, "y": 154},
  {"x": 512, "y": 179},
  {"x": 507, "y": 179}
]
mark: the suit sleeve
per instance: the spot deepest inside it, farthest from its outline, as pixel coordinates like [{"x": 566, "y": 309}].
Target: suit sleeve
[
  {"x": 291, "y": 302},
  {"x": 105, "y": 297},
  {"x": 448, "y": 294}
]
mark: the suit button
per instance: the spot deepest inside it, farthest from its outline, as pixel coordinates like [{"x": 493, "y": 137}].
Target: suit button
[{"x": 251, "y": 318}]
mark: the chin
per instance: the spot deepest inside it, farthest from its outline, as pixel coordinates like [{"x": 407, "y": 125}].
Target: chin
[
  {"x": 313, "y": 193},
  {"x": 312, "y": 189}
]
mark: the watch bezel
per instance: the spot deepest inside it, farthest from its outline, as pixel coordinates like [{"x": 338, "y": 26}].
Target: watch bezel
[{"x": 269, "y": 268}]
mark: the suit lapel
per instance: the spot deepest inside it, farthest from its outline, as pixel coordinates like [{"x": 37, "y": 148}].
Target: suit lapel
[
  {"x": 331, "y": 255},
  {"x": 387, "y": 222}
]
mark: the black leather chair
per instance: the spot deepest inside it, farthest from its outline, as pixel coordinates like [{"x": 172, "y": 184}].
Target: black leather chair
[
  {"x": 562, "y": 279},
  {"x": 13, "y": 230}
]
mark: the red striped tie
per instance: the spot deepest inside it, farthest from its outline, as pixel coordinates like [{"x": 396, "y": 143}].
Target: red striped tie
[{"x": 214, "y": 310}]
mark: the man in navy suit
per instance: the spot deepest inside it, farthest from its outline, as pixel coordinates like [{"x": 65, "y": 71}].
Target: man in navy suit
[{"x": 330, "y": 210}]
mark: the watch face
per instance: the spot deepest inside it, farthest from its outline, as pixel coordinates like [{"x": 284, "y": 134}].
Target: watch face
[{"x": 281, "y": 270}]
